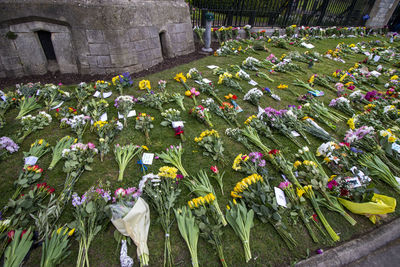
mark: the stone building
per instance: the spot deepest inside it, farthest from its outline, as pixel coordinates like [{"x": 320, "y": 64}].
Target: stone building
[{"x": 91, "y": 36}]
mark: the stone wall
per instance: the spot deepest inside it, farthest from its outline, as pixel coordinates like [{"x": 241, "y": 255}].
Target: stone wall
[
  {"x": 381, "y": 13},
  {"x": 93, "y": 36}
]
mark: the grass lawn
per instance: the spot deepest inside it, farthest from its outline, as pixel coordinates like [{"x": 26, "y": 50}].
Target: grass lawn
[{"x": 267, "y": 247}]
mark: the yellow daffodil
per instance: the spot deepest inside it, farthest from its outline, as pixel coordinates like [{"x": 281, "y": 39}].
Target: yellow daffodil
[
  {"x": 180, "y": 77},
  {"x": 145, "y": 148},
  {"x": 282, "y": 86}
]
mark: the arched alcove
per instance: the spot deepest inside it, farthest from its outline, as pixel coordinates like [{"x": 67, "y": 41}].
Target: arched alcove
[{"x": 165, "y": 45}]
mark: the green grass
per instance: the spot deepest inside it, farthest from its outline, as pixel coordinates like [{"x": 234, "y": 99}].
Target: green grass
[{"x": 267, "y": 248}]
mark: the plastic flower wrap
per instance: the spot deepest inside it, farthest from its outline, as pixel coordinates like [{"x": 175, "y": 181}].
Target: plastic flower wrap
[
  {"x": 226, "y": 111},
  {"x": 172, "y": 118},
  {"x": 82, "y": 92},
  {"x": 27, "y": 105},
  {"x": 342, "y": 104},
  {"x": 95, "y": 109}
]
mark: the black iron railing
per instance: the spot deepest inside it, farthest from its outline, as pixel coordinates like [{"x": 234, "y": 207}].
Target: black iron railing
[{"x": 264, "y": 13}]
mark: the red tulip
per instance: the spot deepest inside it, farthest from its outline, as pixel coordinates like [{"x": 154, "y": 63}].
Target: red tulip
[{"x": 214, "y": 169}]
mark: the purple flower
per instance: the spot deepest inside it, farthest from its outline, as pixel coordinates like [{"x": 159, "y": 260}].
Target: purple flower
[{"x": 8, "y": 144}]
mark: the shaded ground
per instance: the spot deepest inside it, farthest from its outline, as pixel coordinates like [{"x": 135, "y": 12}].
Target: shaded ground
[
  {"x": 67, "y": 79},
  {"x": 387, "y": 255}
]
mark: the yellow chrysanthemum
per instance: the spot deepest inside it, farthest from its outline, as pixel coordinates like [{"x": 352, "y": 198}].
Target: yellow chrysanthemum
[{"x": 180, "y": 77}]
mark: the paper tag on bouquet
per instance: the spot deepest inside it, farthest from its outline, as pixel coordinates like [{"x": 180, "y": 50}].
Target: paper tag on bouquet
[
  {"x": 147, "y": 158},
  {"x": 260, "y": 111},
  {"x": 376, "y": 58},
  {"x": 130, "y": 114},
  {"x": 253, "y": 83},
  {"x": 238, "y": 109},
  {"x": 280, "y": 197},
  {"x": 38, "y": 92},
  {"x": 105, "y": 95},
  {"x": 295, "y": 134},
  {"x": 31, "y": 160},
  {"x": 176, "y": 124},
  {"x": 211, "y": 67},
  {"x": 353, "y": 182},
  {"x": 396, "y": 147},
  {"x": 205, "y": 80}
]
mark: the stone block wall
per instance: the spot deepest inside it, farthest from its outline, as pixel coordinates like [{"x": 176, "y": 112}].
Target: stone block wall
[
  {"x": 93, "y": 36},
  {"x": 381, "y": 13}
]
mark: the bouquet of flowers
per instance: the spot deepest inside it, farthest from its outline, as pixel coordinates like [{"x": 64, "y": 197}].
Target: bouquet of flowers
[
  {"x": 77, "y": 160},
  {"x": 31, "y": 124},
  {"x": 251, "y": 63},
  {"x": 154, "y": 100},
  {"x": 226, "y": 79},
  {"x": 321, "y": 81},
  {"x": 38, "y": 149},
  {"x": 209, "y": 222},
  {"x": 189, "y": 230},
  {"x": 163, "y": 193},
  {"x": 172, "y": 117},
  {"x": 212, "y": 106},
  {"x": 178, "y": 98},
  {"x": 55, "y": 247},
  {"x": 212, "y": 143},
  {"x": 180, "y": 78},
  {"x": 82, "y": 92},
  {"x": 27, "y": 177},
  {"x": 18, "y": 248},
  {"x": 202, "y": 187},
  {"x": 192, "y": 93},
  {"x": 53, "y": 96},
  {"x": 253, "y": 96},
  {"x": 78, "y": 124},
  {"x": 241, "y": 220},
  {"x": 251, "y": 134},
  {"x": 315, "y": 175},
  {"x": 202, "y": 114},
  {"x": 95, "y": 109},
  {"x": 378, "y": 169},
  {"x": 28, "y": 204},
  {"x": 218, "y": 176},
  {"x": 318, "y": 111},
  {"x": 310, "y": 126},
  {"x": 173, "y": 155},
  {"x": 264, "y": 76},
  {"x": 131, "y": 217},
  {"x": 342, "y": 104},
  {"x": 230, "y": 113},
  {"x": 251, "y": 163},
  {"x": 144, "y": 123},
  {"x": 145, "y": 85},
  {"x": 286, "y": 66},
  {"x": 29, "y": 89},
  {"x": 65, "y": 113},
  {"x": 102, "y": 86},
  {"x": 237, "y": 135},
  {"x": 123, "y": 155},
  {"x": 63, "y": 143},
  {"x": 27, "y": 105},
  {"x": 7, "y": 146},
  {"x": 122, "y": 81},
  {"x": 194, "y": 74},
  {"x": 242, "y": 75},
  {"x": 260, "y": 197},
  {"x": 91, "y": 215},
  {"x": 299, "y": 204},
  {"x": 278, "y": 120},
  {"x": 199, "y": 32},
  {"x": 162, "y": 85},
  {"x": 124, "y": 105},
  {"x": 210, "y": 90},
  {"x": 336, "y": 156},
  {"x": 261, "y": 127},
  {"x": 106, "y": 131}
]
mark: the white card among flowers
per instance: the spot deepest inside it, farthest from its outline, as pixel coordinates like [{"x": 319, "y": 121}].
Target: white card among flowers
[
  {"x": 31, "y": 160},
  {"x": 131, "y": 113},
  {"x": 147, "y": 158},
  {"x": 280, "y": 197}
]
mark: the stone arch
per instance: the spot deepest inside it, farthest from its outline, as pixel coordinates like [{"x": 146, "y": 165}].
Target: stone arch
[
  {"x": 165, "y": 44},
  {"x": 29, "y": 49}
]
